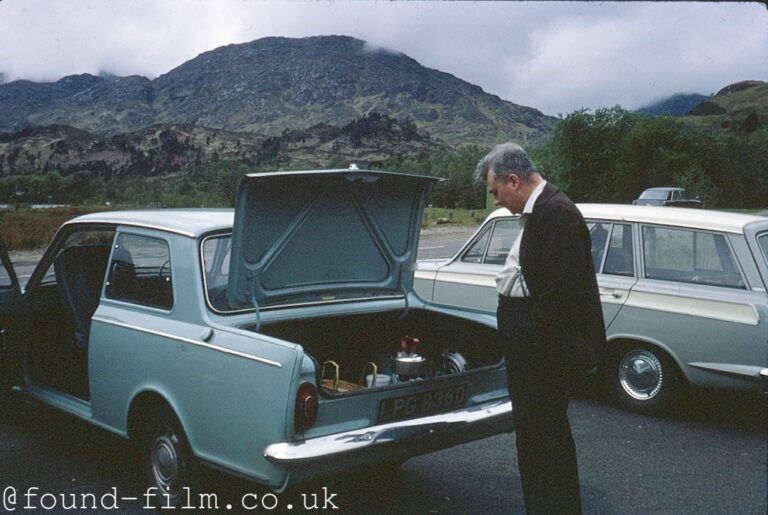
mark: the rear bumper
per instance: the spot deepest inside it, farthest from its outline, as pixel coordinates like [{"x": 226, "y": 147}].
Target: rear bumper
[{"x": 412, "y": 437}]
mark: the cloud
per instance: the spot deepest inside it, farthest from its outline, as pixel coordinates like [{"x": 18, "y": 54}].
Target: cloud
[{"x": 554, "y": 56}]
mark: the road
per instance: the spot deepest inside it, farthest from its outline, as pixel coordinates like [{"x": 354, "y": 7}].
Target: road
[{"x": 709, "y": 457}]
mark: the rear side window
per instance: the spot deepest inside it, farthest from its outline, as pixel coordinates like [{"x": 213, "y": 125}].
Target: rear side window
[
  {"x": 140, "y": 272},
  {"x": 612, "y": 249},
  {"x": 762, "y": 240},
  {"x": 620, "y": 259},
  {"x": 599, "y": 233},
  {"x": 689, "y": 256}
]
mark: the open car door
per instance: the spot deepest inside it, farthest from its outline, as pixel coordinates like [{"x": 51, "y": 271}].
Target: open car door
[{"x": 10, "y": 300}]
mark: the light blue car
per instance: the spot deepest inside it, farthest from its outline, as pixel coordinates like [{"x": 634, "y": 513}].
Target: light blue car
[
  {"x": 683, "y": 294},
  {"x": 279, "y": 342}
]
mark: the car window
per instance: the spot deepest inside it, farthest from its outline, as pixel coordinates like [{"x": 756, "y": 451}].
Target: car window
[
  {"x": 81, "y": 238},
  {"x": 5, "y": 277},
  {"x": 654, "y": 194},
  {"x": 620, "y": 259},
  {"x": 216, "y": 253},
  {"x": 599, "y": 234},
  {"x": 140, "y": 272},
  {"x": 476, "y": 252},
  {"x": 502, "y": 237},
  {"x": 762, "y": 241},
  {"x": 689, "y": 256}
]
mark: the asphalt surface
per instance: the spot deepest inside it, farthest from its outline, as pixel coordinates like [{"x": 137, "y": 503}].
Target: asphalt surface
[{"x": 708, "y": 457}]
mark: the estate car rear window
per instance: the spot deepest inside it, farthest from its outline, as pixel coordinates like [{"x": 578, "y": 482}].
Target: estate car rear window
[
  {"x": 689, "y": 256},
  {"x": 140, "y": 272}
]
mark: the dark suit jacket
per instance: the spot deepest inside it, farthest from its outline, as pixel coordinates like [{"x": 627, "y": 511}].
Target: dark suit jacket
[{"x": 556, "y": 260}]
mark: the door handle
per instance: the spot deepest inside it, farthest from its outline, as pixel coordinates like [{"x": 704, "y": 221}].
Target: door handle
[{"x": 614, "y": 295}]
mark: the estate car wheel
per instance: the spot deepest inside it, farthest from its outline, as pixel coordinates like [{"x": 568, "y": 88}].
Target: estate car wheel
[
  {"x": 167, "y": 459},
  {"x": 642, "y": 379}
]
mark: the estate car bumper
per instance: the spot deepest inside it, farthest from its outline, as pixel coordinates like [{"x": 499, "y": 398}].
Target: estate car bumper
[{"x": 426, "y": 434}]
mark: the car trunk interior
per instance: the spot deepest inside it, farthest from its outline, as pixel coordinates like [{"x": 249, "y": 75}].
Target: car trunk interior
[{"x": 420, "y": 345}]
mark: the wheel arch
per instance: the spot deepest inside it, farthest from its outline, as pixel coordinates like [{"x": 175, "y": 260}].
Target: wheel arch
[
  {"x": 143, "y": 404},
  {"x": 617, "y": 341}
]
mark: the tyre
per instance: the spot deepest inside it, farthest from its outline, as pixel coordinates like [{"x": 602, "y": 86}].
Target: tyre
[
  {"x": 169, "y": 465},
  {"x": 642, "y": 378}
]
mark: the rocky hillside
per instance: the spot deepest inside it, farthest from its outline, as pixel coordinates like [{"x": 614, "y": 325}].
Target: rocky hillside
[
  {"x": 274, "y": 84},
  {"x": 676, "y": 105},
  {"x": 165, "y": 148},
  {"x": 743, "y": 105}
]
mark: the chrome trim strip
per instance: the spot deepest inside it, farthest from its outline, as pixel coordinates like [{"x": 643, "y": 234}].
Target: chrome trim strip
[
  {"x": 190, "y": 341},
  {"x": 713, "y": 309},
  {"x": 468, "y": 279},
  {"x": 739, "y": 371},
  {"x": 117, "y": 223},
  {"x": 365, "y": 438}
]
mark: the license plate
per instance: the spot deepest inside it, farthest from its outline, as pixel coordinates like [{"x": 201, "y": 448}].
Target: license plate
[{"x": 421, "y": 404}]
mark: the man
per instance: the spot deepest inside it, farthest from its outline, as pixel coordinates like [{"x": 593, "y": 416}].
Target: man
[{"x": 551, "y": 322}]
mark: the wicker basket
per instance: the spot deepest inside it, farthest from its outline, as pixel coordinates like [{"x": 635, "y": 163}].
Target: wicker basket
[{"x": 335, "y": 384}]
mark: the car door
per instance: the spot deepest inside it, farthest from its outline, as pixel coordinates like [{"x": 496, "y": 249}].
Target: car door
[
  {"x": 469, "y": 279},
  {"x": 694, "y": 297},
  {"x": 10, "y": 298},
  {"x": 613, "y": 256}
]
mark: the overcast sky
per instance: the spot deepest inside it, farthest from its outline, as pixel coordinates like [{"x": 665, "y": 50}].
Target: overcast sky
[{"x": 556, "y": 57}]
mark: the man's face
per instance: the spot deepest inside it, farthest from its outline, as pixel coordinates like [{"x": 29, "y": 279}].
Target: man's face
[{"x": 506, "y": 191}]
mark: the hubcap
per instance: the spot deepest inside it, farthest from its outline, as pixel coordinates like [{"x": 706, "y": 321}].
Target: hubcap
[
  {"x": 165, "y": 461},
  {"x": 641, "y": 375}
]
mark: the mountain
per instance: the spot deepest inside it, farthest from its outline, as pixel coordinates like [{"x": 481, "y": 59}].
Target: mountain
[
  {"x": 676, "y": 105},
  {"x": 163, "y": 149},
  {"x": 274, "y": 84},
  {"x": 741, "y": 105}
]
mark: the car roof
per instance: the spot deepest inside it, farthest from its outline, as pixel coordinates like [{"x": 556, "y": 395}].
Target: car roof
[
  {"x": 187, "y": 222},
  {"x": 664, "y": 188},
  {"x": 672, "y": 216}
]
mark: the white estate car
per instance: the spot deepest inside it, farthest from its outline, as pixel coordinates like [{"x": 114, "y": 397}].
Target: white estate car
[{"x": 683, "y": 293}]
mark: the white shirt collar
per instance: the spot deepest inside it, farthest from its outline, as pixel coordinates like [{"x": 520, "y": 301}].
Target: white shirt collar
[{"x": 528, "y": 209}]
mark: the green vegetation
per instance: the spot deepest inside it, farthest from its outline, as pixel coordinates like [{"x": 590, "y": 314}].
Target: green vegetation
[{"x": 612, "y": 155}]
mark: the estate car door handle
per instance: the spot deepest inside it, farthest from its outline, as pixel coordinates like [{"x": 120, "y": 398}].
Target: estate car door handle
[{"x": 610, "y": 294}]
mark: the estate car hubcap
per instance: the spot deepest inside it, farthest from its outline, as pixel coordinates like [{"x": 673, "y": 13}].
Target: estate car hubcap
[
  {"x": 165, "y": 461},
  {"x": 640, "y": 374}
]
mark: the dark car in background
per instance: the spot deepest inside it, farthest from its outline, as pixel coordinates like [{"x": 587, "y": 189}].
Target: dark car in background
[{"x": 673, "y": 197}]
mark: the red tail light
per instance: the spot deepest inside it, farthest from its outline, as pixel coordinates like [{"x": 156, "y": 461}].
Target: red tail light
[{"x": 306, "y": 407}]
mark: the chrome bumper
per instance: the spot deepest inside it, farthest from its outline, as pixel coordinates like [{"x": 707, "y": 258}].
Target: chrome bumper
[{"x": 497, "y": 412}]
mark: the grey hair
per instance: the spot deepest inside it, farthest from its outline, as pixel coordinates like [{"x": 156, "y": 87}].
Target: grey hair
[{"x": 505, "y": 159}]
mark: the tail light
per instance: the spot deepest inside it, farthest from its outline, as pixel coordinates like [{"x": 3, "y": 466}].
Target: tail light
[{"x": 306, "y": 407}]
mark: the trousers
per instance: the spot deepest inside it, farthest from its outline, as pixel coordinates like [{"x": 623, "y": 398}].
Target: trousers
[{"x": 539, "y": 379}]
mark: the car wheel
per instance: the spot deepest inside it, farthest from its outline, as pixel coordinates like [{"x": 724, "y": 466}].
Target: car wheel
[
  {"x": 642, "y": 378},
  {"x": 167, "y": 459}
]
